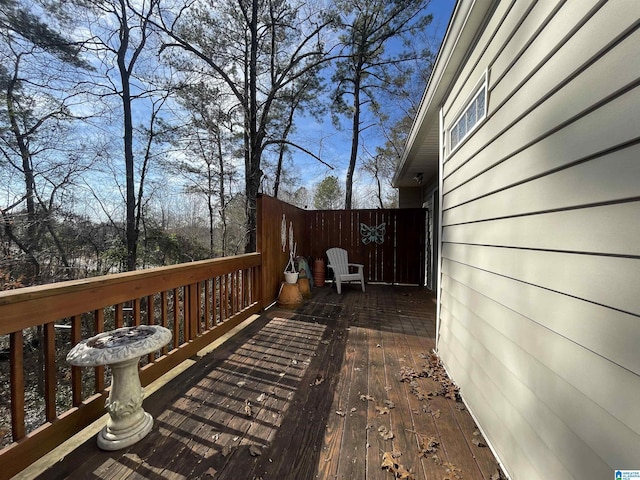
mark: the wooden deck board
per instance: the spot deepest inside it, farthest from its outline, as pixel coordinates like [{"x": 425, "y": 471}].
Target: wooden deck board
[{"x": 306, "y": 375}]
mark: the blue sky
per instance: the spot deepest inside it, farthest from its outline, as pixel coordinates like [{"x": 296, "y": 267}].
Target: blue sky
[{"x": 333, "y": 145}]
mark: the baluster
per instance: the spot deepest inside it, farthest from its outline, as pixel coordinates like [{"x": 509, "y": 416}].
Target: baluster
[
  {"x": 16, "y": 348},
  {"x": 163, "y": 316},
  {"x": 50, "y": 371},
  {"x": 207, "y": 297},
  {"x": 176, "y": 318},
  {"x": 76, "y": 372},
  {"x": 215, "y": 303},
  {"x": 151, "y": 320},
  {"x": 119, "y": 316},
  {"x": 136, "y": 312},
  {"x": 98, "y": 317}
]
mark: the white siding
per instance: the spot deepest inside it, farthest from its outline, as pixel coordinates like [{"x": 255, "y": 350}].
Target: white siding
[{"x": 540, "y": 300}]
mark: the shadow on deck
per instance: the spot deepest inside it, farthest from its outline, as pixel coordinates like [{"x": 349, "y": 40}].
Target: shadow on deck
[{"x": 312, "y": 393}]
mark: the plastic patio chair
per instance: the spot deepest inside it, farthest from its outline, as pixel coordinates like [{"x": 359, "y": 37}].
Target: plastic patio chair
[{"x": 339, "y": 263}]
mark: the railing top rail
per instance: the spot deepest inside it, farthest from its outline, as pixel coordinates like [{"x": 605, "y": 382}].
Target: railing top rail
[{"x": 23, "y": 308}]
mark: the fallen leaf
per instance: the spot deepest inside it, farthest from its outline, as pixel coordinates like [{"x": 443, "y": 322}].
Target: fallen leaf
[
  {"x": 353, "y": 410},
  {"x": 341, "y": 413},
  {"x": 388, "y": 460},
  {"x": 478, "y": 442},
  {"x": 255, "y": 451},
  {"x": 261, "y": 397},
  {"x": 211, "y": 472},
  {"x": 436, "y": 414},
  {"x": 428, "y": 445},
  {"x": 398, "y": 470},
  {"x": 364, "y": 398},
  {"x": 319, "y": 379},
  {"x": 226, "y": 450},
  {"x": 384, "y": 433},
  {"x": 453, "y": 470},
  {"x": 497, "y": 475},
  {"x": 436, "y": 459},
  {"x": 389, "y": 404},
  {"x": 247, "y": 408},
  {"x": 382, "y": 410},
  {"x": 460, "y": 406},
  {"x": 241, "y": 383}
]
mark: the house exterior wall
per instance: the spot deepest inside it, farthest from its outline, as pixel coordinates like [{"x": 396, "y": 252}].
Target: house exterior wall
[
  {"x": 540, "y": 297},
  {"x": 410, "y": 197}
]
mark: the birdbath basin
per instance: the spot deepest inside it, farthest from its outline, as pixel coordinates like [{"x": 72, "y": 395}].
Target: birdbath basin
[{"x": 121, "y": 350}]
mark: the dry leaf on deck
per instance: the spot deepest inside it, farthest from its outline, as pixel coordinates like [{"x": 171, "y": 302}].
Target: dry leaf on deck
[
  {"x": 428, "y": 445},
  {"x": 436, "y": 414},
  {"x": 453, "y": 471},
  {"x": 382, "y": 410},
  {"x": 389, "y": 404},
  {"x": 255, "y": 451},
  {"x": 340, "y": 412},
  {"x": 384, "y": 433},
  {"x": 398, "y": 470},
  {"x": 226, "y": 450},
  {"x": 319, "y": 379},
  {"x": 388, "y": 460},
  {"x": 364, "y": 398},
  {"x": 247, "y": 408},
  {"x": 211, "y": 472},
  {"x": 497, "y": 475},
  {"x": 478, "y": 442}
]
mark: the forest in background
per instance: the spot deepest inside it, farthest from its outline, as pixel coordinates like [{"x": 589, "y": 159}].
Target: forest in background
[{"x": 139, "y": 133}]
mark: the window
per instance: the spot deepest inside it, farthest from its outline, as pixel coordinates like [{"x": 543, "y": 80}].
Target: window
[{"x": 472, "y": 115}]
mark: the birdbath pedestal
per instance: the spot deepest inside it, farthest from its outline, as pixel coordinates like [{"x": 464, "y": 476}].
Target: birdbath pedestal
[{"x": 121, "y": 350}]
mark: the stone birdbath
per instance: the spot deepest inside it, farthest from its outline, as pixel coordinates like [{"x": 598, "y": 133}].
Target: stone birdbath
[{"x": 121, "y": 350}]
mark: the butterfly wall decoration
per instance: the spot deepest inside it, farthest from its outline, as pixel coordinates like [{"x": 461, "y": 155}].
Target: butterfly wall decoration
[{"x": 372, "y": 233}]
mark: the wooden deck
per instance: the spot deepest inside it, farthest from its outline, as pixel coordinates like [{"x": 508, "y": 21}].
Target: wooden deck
[{"x": 323, "y": 392}]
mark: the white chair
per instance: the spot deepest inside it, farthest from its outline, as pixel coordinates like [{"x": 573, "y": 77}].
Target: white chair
[{"x": 339, "y": 263}]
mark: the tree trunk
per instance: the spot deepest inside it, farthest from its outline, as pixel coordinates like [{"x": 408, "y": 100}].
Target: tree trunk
[
  {"x": 30, "y": 245},
  {"x": 131, "y": 231},
  {"x": 252, "y": 172},
  {"x": 223, "y": 206},
  {"x": 355, "y": 137}
]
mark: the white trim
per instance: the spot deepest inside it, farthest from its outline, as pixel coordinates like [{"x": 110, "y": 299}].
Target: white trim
[
  {"x": 438, "y": 285},
  {"x": 480, "y": 86}
]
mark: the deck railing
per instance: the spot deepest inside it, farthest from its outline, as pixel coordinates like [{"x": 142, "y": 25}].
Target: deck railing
[{"x": 198, "y": 302}]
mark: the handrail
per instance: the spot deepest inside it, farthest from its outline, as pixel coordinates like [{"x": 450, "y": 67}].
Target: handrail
[{"x": 198, "y": 301}]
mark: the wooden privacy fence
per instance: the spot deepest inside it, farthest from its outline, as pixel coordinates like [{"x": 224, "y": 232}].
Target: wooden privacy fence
[
  {"x": 390, "y": 243},
  {"x": 198, "y": 302}
]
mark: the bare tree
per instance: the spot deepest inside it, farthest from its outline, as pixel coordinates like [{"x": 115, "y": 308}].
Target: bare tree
[
  {"x": 373, "y": 32},
  {"x": 259, "y": 50},
  {"x": 122, "y": 40},
  {"x": 39, "y": 83}
]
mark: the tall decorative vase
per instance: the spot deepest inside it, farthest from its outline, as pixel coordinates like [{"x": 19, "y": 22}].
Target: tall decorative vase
[{"x": 318, "y": 272}]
